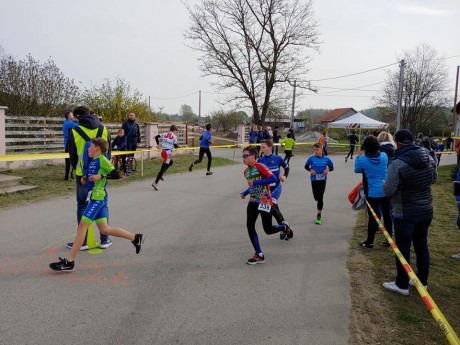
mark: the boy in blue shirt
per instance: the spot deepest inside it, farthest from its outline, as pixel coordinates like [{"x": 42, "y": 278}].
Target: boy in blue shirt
[
  {"x": 319, "y": 166},
  {"x": 97, "y": 209},
  {"x": 205, "y": 142}
]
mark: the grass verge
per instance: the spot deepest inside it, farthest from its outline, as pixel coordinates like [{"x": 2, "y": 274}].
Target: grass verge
[
  {"x": 382, "y": 317},
  {"x": 50, "y": 179}
]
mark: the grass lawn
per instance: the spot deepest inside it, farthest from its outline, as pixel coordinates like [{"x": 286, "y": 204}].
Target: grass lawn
[{"x": 406, "y": 320}]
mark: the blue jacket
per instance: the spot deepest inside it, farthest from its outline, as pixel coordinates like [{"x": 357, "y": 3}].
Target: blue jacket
[
  {"x": 253, "y": 137},
  {"x": 374, "y": 170},
  {"x": 66, "y": 127},
  {"x": 206, "y": 139}
]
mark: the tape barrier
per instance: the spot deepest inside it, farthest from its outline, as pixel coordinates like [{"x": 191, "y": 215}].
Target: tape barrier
[{"x": 429, "y": 302}]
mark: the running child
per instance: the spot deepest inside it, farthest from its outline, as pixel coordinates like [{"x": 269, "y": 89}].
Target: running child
[
  {"x": 205, "y": 142},
  {"x": 288, "y": 144},
  {"x": 274, "y": 163},
  {"x": 97, "y": 209},
  {"x": 169, "y": 141},
  {"x": 319, "y": 166},
  {"x": 260, "y": 202}
]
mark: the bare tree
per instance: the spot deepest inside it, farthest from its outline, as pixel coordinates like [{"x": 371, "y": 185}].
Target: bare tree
[
  {"x": 257, "y": 47},
  {"x": 424, "y": 98}
]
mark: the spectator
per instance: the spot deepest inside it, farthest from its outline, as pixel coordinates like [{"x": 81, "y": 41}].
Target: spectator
[
  {"x": 449, "y": 143},
  {"x": 457, "y": 199},
  {"x": 132, "y": 133},
  {"x": 91, "y": 126},
  {"x": 387, "y": 145},
  {"x": 292, "y": 131},
  {"x": 119, "y": 144},
  {"x": 276, "y": 138},
  {"x": 409, "y": 181},
  {"x": 323, "y": 140},
  {"x": 373, "y": 166},
  {"x": 68, "y": 124},
  {"x": 253, "y": 135}
]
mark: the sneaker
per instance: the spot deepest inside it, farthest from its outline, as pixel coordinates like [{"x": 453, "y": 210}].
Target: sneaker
[
  {"x": 366, "y": 245},
  {"x": 106, "y": 242},
  {"x": 138, "y": 242},
  {"x": 162, "y": 179},
  {"x": 395, "y": 288},
  {"x": 411, "y": 283},
  {"x": 209, "y": 173},
  {"x": 288, "y": 233},
  {"x": 190, "y": 168},
  {"x": 63, "y": 265},
  {"x": 456, "y": 256},
  {"x": 351, "y": 157},
  {"x": 256, "y": 259},
  {"x": 318, "y": 221},
  {"x": 83, "y": 247},
  {"x": 155, "y": 186},
  {"x": 282, "y": 235},
  {"x": 386, "y": 243},
  {"x": 346, "y": 159}
]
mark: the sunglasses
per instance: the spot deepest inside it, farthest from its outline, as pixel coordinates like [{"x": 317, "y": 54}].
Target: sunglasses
[{"x": 246, "y": 155}]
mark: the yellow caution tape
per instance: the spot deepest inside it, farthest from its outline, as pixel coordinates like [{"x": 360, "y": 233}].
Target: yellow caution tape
[{"x": 429, "y": 302}]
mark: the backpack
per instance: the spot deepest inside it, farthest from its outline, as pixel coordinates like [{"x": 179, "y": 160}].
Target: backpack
[{"x": 86, "y": 159}]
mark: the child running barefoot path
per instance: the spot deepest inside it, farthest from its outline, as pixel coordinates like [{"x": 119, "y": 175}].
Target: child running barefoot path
[
  {"x": 97, "y": 209},
  {"x": 319, "y": 166}
]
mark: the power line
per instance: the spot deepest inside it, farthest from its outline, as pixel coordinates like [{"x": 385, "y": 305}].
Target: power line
[
  {"x": 349, "y": 75},
  {"x": 165, "y": 98}
]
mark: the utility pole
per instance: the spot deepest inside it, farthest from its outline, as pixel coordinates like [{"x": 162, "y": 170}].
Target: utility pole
[
  {"x": 400, "y": 94},
  {"x": 150, "y": 111},
  {"x": 454, "y": 110},
  {"x": 293, "y": 104},
  {"x": 199, "y": 104}
]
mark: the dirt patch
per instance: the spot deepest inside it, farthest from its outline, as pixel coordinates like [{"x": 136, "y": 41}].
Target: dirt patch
[{"x": 367, "y": 326}]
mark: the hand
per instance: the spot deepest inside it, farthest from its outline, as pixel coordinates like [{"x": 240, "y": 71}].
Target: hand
[
  {"x": 95, "y": 178},
  {"x": 313, "y": 172},
  {"x": 243, "y": 196},
  {"x": 250, "y": 184},
  {"x": 326, "y": 171},
  {"x": 282, "y": 178},
  {"x": 83, "y": 180}
]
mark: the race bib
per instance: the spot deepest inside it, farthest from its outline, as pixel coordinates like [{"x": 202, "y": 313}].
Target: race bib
[
  {"x": 264, "y": 207},
  {"x": 320, "y": 177}
]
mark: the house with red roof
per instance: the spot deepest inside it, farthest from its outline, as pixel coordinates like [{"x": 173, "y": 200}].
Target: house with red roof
[{"x": 337, "y": 114}]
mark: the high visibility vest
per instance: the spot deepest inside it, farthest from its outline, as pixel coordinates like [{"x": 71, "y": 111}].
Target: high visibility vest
[{"x": 80, "y": 144}]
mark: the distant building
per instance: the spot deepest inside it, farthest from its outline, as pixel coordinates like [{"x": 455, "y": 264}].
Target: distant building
[{"x": 337, "y": 114}]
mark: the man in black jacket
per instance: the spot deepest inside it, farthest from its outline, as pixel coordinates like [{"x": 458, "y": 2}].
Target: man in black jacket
[
  {"x": 409, "y": 181},
  {"x": 132, "y": 133}
]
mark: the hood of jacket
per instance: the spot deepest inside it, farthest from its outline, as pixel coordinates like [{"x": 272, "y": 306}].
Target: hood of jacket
[
  {"x": 415, "y": 156},
  {"x": 374, "y": 157},
  {"x": 89, "y": 121}
]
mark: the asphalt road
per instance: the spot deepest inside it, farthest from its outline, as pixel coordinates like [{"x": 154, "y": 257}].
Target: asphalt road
[{"x": 190, "y": 285}]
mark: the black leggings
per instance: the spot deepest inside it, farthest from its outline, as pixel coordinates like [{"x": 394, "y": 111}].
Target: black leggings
[
  {"x": 318, "y": 188},
  {"x": 164, "y": 167},
  {"x": 288, "y": 156},
  {"x": 276, "y": 213},
  {"x": 350, "y": 153},
  {"x": 204, "y": 150},
  {"x": 252, "y": 214}
]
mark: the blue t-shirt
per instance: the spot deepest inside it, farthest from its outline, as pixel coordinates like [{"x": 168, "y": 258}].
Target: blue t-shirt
[
  {"x": 319, "y": 164},
  {"x": 206, "y": 139},
  {"x": 375, "y": 172},
  {"x": 274, "y": 163}
]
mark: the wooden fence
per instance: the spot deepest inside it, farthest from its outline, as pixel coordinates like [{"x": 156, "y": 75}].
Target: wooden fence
[{"x": 26, "y": 134}]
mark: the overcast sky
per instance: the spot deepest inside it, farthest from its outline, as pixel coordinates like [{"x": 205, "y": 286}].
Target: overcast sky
[{"x": 142, "y": 42}]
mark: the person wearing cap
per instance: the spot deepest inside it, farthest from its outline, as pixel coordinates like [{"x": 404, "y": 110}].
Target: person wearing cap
[{"x": 409, "y": 181}]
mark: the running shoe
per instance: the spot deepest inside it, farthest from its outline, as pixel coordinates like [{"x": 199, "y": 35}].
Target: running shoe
[
  {"x": 288, "y": 233},
  {"x": 82, "y": 248},
  {"x": 106, "y": 242},
  {"x": 256, "y": 259},
  {"x": 155, "y": 186},
  {"x": 395, "y": 288},
  {"x": 138, "y": 242},
  {"x": 456, "y": 256},
  {"x": 63, "y": 265},
  {"x": 190, "y": 168},
  {"x": 209, "y": 173},
  {"x": 318, "y": 221},
  {"x": 282, "y": 235}
]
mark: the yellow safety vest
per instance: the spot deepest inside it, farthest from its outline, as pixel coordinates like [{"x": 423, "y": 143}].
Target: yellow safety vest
[{"x": 80, "y": 144}]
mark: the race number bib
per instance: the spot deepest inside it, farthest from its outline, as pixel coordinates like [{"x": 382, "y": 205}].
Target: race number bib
[
  {"x": 320, "y": 177},
  {"x": 264, "y": 207}
]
